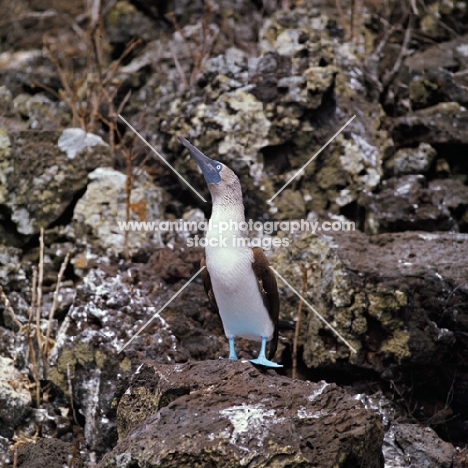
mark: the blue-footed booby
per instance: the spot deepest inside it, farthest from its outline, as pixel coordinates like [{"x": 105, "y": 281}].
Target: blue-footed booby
[{"x": 237, "y": 279}]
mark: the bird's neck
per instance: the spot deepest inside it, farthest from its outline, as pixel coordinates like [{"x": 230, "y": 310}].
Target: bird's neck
[{"x": 227, "y": 213}]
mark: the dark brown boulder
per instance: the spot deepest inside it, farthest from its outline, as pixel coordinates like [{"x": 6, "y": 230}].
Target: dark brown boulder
[{"x": 229, "y": 413}]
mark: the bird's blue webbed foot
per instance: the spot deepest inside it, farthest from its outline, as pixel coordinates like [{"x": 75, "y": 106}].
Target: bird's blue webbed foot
[
  {"x": 261, "y": 359},
  {"x": 232, "y": 351}
]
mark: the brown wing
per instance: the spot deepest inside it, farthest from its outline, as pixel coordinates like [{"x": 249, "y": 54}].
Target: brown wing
[
  {"x": 207, "y": 284},
  {"x": 269, "y": 291}
]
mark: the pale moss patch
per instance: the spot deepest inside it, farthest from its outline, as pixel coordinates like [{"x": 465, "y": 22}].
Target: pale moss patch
[
  {"x": 100, "y": 359},
  {"x": 126, "y": 364},
  {"x": 397, "y": 345},
  {"x": 69, "y": 357},
  {"x": 384, "y": 304},
  {"x": 148, "y": 403},
  {"x": 120, "y": 9}
]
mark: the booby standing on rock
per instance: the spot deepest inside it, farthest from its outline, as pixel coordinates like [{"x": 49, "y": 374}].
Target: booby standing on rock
[{"x": 237, "y": 278}]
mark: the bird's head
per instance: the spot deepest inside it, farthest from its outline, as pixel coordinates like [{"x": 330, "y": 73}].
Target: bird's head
[{"x": 223, "y": 184}]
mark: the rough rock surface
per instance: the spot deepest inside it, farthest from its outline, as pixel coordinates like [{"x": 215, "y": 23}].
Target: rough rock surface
[
  {"x": 392, "y": 296},
  {"x": 108, "y": 310},
  {"x": 398, "y": 299},
  {"x": 11, "y": 269},
  {"x": 49, "y": 453},
  {"x": 103, "y": 206},
  {"x": 223, "y": 413},
  {"x": 439, "y": 124},
  {"x": 267, "y": 116},
  {"x": 412, "y": 160},
  {"x": 409, "y": 203},
  {"x": 405, "y": 443},
  {"x": 15, "y": 398},
  {"x": 438, "y": 74},
  {"x": 260, "y": 85},
  {"x": 36, "y": 192},
  {"x": 414, "y": 445}
]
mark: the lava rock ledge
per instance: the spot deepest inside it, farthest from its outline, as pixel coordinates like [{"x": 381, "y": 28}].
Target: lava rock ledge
[{"x": 231, "y": 414}]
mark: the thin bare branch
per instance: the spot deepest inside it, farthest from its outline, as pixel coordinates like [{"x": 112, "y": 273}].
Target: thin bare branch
[
  {"x": 70, "y": 391},
  {"x": 352, "y": 20},
  {"x": 341, "y": 17},
  {"x": 178, "y": 66},
  {"x": 32, "y": 353},
  {"x": 124, "y": 102},
  {"x": 108, "y": 7},
  {"x": 171, "y": 17},
  {"x": 39, "y": 294},
  {"x": 114, "y": 66},
  {"x": 39, "y": 15},
  {"x": 9, "y": 309},
  {"x": 74, "y": 25},
  {"x": 298, "y": 323},
  {"x": 388, "y": 77},
  {"x": 54, "y": 303},
  {"x": 95, "y": 11}
]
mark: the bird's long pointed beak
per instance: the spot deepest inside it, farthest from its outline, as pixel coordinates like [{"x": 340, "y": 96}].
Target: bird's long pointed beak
[{"x": 206, "y": 164}]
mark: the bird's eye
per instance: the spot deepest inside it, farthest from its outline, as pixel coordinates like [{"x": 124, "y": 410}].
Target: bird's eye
[{"x": 218, "y": 167}]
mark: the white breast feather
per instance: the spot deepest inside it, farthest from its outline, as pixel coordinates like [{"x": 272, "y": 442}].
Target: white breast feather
[{"x": 237, "y": 294}]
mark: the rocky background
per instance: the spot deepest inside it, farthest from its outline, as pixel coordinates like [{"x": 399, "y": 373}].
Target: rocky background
[{"x": 261, "y": 86}]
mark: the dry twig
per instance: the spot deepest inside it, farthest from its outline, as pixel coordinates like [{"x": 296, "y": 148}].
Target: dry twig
[
  {"x": 32, "y": 352},
  {"x": 389, "y": 76},
  {"x": 9, "y": 309},
  {"x": 39, "y": 297},
  {"x": 200, "y": 48},
  {"x": 356, "y": 8},
  {"x": 127, "y": 149},
  {"x": 70, "y": 391},
  {"x": 86, "y": 92},
  {"x": 38, "y": 344},
  {"x": 47, "y": 347},
  {"x": 298, "y": 323},
  {"x": 178, "y": 66}
]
